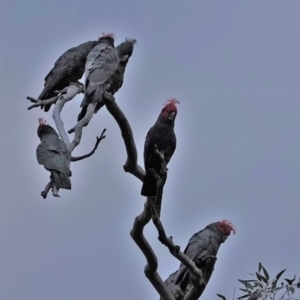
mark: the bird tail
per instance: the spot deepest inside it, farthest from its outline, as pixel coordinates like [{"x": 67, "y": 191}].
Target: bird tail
[
  {"x": 47, "y": 93},
  {"x": 149, "y": 188},
  {"x": 182, "y": 278},
  {"x": 62, "y": 181},
  {"x": 82, "y": 113}
]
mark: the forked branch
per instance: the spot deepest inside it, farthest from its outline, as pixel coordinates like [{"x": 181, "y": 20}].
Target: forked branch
[
  {"x": 64, "y": 96},
  {"x": 98, "y": 140},
  {"x": 150, "y": 210}
]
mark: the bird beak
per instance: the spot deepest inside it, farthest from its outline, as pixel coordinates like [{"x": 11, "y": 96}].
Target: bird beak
[{"x": 172, "y": 115}]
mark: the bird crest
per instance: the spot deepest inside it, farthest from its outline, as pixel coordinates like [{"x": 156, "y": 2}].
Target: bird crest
[
  {"x": 104, "y": 35},
  {"x": 42, "y": 121},
  {"x": 171, "y": 104},
  {"x": 227, "y": 225},
  {"x": 132, "y": 41}
]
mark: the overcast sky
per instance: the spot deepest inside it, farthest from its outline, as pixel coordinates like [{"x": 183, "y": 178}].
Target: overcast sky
[{"x": 234, "y": 66}]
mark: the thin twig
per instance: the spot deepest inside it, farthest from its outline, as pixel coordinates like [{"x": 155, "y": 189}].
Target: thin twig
[
  {"x": 98, "y": 140},
  {"x": 41, "y": 102}
]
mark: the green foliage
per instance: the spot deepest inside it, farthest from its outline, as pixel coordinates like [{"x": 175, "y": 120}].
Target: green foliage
[{"x": 262, "y": 288}]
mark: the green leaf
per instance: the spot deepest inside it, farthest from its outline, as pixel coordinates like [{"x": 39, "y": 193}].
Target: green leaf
[
  {"x": 290, "y": 281},
  {"x": 292, "y": 290},
  {"x": 221, "y": 296},
  {"x": 265, "y": 272},
  {"x": 244, "y": 290},
  {"x": 258, "y": 284},
  {"x": 261, "y": 278},
  {"x": 279, "y": 274},
  {"x": 259, "y": 267},
  {"x": 244, "y": 296},
  {"x": 248, "y": 280},
  {"x": 255, "y": 295},
  {"x": 274, "y": 284}
]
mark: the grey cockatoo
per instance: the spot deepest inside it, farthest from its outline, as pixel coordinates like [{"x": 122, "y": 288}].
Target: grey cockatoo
[
  {"x": 202, "y": 250},
  {"x": 101, "y": 64},
  {"x": 54, "y": 155},
  {"x": 161, "y": 136},
  {"x": 68, "y": 68},
  {"x": 125, "y": 51}
]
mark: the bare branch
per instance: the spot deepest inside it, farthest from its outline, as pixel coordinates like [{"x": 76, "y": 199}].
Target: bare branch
[
  {"x": 131, "y": 164},
  {"x": 41, "y": 102},
  {"x": 98, "y": 140},
  {"x": 174, "y": 249},
  {"x": 78, "y": 127},
  {"x": 72, "y": 91},
  {"x": 151, "y": 268}
]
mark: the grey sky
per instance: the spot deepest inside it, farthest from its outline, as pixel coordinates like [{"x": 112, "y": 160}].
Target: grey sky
[{"x": 234, "y": 65}]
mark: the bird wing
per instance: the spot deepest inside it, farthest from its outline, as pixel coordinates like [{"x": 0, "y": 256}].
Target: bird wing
[
  {"x": 195, "y": 247},
  {"x": 148, "y": 146},
  {"x": 54, "y": 157},
  {"x": 101, "y": 63},
  {"x": 61, "y": 75}
]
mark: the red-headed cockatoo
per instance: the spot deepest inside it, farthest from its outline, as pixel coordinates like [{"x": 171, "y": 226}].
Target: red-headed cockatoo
[
  {"x": 161, "y": 137},
  {"x": 54, "y": 155},
  {"x": 101, "y": 64},
  {"x": 202, "y": 249},
  {"x": 68, "y": 68},
  {"x": 125, "y": 51}
]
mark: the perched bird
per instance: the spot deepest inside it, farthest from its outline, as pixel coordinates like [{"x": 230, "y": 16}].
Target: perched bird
[
  {"x": 101, "y": 64},
  {"x": 202, "y": 250},
  {"x": 125, "y": 51},
  {"x": 54, "y": 155},
  {"x": 175, "y": 290},
  {"x": 160, "y": 137},
  {"x": 68, "y": 68}
]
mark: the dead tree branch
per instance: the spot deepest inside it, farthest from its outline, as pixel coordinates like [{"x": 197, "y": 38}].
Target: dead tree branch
[
  {"x": 131, "y": 164},
  {"x": 71, "y": 92},
  {"x": 174, "y": 249},
  {"x": 41, "y": 102},
  {"x": 199, "y": 280},
  {"x": 64, "y": 96},
  {"x": 79, "y": 126},
  {"x": 143, "y": 219},
  {"x": 151, "y": 268},
  {"x": 98, "y": 140}
]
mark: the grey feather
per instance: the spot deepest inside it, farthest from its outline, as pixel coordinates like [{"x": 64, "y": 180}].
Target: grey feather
[
  {"x": 101, "y": 63},
  {"x": 125, "y": 51},
  {"x": 203, "y": 244},
  {"x": 68, "y": 68},
  {"x": 54, "y": 155}
]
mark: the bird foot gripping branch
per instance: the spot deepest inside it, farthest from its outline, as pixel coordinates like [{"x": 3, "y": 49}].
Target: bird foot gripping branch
[{"x": 161, "y": 156}]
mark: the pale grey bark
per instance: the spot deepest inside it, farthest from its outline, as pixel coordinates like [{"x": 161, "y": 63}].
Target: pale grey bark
[
  {"x": 149, "y": 212},
  {"x": 67, "y": 94},
  {"x": 167, "y": 290}
]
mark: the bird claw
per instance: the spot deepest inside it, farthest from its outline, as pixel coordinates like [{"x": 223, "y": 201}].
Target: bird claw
[
  {"x": 161, "y": 155},
  {"x": 44, "y": 194},
  {"x": 55, "y": 191},
  {"x": 55, "y": 194}
]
